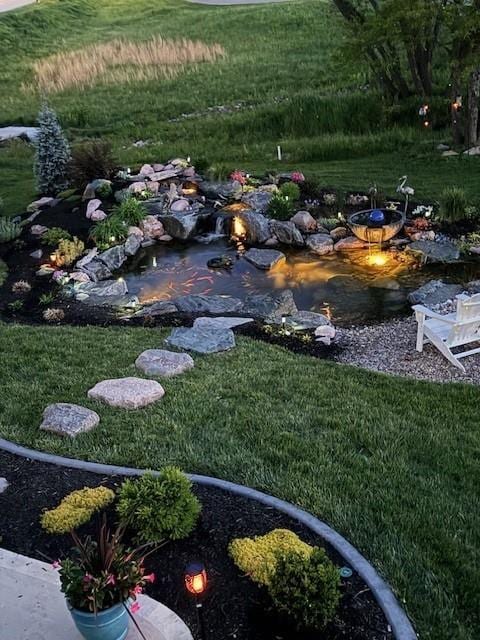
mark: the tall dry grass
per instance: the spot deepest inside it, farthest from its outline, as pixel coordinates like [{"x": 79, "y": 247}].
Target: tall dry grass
[{"x": 119, "y": 61}]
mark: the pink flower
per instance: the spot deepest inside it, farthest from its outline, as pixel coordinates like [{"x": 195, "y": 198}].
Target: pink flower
[
  {"x": 56, "y": 564},
  {"x": 134, "y": 607},
  {"x": 238, "y": 176},
  {"x": 297, "y": 177},
  {"x": 136, "y": 590},
  {"x": 150, "y": 578},
  {"x": 111, "y": 579},
  {"x": 87, "y": 578}
]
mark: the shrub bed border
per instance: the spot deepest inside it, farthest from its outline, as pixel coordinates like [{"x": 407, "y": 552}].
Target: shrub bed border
[{"x": 401, "y": 626}]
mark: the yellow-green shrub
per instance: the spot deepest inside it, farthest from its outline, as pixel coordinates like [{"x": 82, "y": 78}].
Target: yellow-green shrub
[
  {"x": 258, "y": 556},
  {"x": 76, "y": 509}
]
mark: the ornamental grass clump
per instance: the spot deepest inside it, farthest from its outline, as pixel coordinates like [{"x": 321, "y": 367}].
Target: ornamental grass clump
[
  {"x": 453, "y": 205},
  {"x": 280, "y": 207},
  {"x": 258, "y": 556},
  {"x": 75, "y": 509},
  {"x": 131, "y": 212},
  {"x": 159, "y": 507}
]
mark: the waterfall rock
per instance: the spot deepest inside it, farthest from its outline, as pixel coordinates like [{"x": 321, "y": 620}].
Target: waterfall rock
[
  {"x": 287, "y": 233},
  {"x": 264, "y": 258},
  {"x": 181, "y": 225},
  {"x": 320, "y": 243},
  {"x": 257, "y": 226}
]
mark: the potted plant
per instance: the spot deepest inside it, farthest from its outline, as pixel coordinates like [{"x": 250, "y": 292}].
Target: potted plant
[{"x": 101, "y": 580}]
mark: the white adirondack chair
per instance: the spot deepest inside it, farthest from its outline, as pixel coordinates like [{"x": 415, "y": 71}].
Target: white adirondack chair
[{"x": 452, "y": 330}]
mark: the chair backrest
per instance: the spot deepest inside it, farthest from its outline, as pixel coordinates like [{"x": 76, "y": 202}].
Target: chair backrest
[
  {"x": 468, "y": 319},
  {"x": 468, "y": 308}
]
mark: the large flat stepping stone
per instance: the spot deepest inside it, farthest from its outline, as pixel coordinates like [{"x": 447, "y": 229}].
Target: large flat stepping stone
[
  {"x": 202, "y": 340},
  {"x": 220, "y": 323},
  {"x": 158, "y": 362},
  {"x": 127, "y": 393},
  {"x": 67, "y": 419},
  {"x": 264, "y": 258}
]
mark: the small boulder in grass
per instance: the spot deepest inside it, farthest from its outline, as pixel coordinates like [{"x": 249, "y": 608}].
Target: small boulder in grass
[{"x": 98, "y": 216}]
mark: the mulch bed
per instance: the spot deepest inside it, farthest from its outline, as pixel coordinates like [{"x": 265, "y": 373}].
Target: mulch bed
[{"x": 234, "y": 607}]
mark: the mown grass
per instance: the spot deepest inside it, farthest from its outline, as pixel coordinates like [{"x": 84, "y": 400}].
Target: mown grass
[
  {"x": 391, "y": 463},
  {"x": 281, "y": 64}
]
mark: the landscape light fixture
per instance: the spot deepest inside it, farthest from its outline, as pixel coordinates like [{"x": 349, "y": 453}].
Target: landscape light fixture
[{"x": 196, "y": 584}]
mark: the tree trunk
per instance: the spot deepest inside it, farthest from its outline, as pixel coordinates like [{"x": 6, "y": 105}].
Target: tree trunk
[
  {"x": 473, "y": 131},
  {"x": 457, "y": 133}
]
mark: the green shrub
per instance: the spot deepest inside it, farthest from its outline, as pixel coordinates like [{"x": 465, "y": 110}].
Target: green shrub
[
  {"x": 76, "y": 509},
  {"x": 9, "y": 230},
  {"x": 68, "y": 252},
  {"x": 291, "y": 191},
  {"x": 54, "y": 235},
  {"x": 280, "y": 208},
  {"x": 109, "y": 231},
  {"x": 201, "y": 165},
  {"x": 258, "y": 556},
  {"x": 159, "y": 507},
  {"x": 104, "y": 190},
  {"x": 306, "y": 588},
  {"x": 90, "y": 160},
  {"x": 329, "y": 223},
  {"x": 453, "y": 205}
]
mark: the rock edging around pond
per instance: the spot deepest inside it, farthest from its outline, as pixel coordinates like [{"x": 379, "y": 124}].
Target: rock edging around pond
[{"x": 401, "y": 626}]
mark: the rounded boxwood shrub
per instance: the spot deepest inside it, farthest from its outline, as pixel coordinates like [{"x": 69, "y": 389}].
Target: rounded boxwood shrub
[
  {"x": 159, "y": 507},
  {"x": 280, "y": 207},
  {"x": 291, "y": 191},
  {"x": 306, "y": 588}
]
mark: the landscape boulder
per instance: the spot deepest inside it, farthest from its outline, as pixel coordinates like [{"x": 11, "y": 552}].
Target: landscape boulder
[
  {"x": 214, "y": 305},
  {"x": 304, "y": 221},
  {"x": 182, "y": 226},
  {"x": 264, "y": 259},
  {"x": 434, "y": 292},
  {"x": 320, "y": 243},
  {"x": 270, "y": 307},
  {"x": 287, "y": 233},
  {"x": 257, "y": 227},
  {"x": 114, "y": 257},
  {"x": 434, "y": 252}
]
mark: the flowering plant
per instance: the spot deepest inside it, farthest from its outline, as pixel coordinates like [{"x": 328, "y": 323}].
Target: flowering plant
[
  {"x": 238, "y": 176},
  {"x": 102, "y": 572},
  {"x": 297, "y": 177}
]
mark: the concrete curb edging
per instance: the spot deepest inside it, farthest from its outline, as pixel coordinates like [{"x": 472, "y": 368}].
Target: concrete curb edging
[{"x": 401, "y": 626}]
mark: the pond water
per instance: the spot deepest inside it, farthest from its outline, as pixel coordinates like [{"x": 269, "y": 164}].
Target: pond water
[{"x": 346, "y": 285}]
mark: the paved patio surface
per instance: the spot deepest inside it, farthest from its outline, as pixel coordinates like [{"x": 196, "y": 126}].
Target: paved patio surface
[
  {"x": 33, "y": 608},
  {"x": 8, "y": 5}
]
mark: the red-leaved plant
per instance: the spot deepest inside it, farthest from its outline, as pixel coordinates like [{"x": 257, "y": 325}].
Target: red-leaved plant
[{"x": 102, "y": 572}]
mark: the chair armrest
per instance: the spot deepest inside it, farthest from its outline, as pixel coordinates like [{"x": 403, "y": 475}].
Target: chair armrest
[{"x": 425, "y": 311}]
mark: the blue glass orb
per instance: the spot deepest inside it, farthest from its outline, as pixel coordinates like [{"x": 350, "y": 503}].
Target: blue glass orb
[{"x": 377, "y": 217}]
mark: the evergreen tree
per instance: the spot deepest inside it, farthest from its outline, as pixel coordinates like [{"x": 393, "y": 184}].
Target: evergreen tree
[{"x": 52, "y": 153}]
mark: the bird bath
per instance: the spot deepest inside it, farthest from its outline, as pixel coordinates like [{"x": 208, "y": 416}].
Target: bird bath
[{"x": 376, "y": 226}]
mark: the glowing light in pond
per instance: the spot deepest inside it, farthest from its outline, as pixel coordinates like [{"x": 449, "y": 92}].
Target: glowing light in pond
[
  {"x": 189, "y": 189},
  {"x": 154, "y": 261},
  {"x": 239, "y": 230},
  {"x": 377, "y": 259},
  {"x": 236, "y": 207}
]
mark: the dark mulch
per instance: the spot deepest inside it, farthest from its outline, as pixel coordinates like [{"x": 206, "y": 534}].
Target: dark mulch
[{"x": 234, "y": 607}]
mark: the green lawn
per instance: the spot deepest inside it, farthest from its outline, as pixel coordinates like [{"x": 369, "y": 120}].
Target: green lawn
[
  {"x": 391, "y": 463},
  {"x": 281, "y": 62}
]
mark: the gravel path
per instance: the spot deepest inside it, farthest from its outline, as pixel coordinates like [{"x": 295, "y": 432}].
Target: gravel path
[{"x": 390, "y": 347}]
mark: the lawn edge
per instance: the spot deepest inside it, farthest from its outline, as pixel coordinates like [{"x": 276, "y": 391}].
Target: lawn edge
[{"x": 401, "y": 626}]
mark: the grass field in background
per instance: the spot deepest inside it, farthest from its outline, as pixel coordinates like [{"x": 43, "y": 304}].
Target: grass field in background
[
  {"x": 389, "y": 462},
  {"x": 282, "y": 65}
]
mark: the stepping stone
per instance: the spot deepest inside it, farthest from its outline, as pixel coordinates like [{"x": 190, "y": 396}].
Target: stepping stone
[
  {"x": 202, "y": 340},
  {"x": 127, "y": 393},
  {"x": 66, "y": 419},
  {"x": 220, "y": 323},
  {"x": 3, "y": 484},
  {"x": 158, "y": 362},
  {"x": 264, "y": 258}
]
